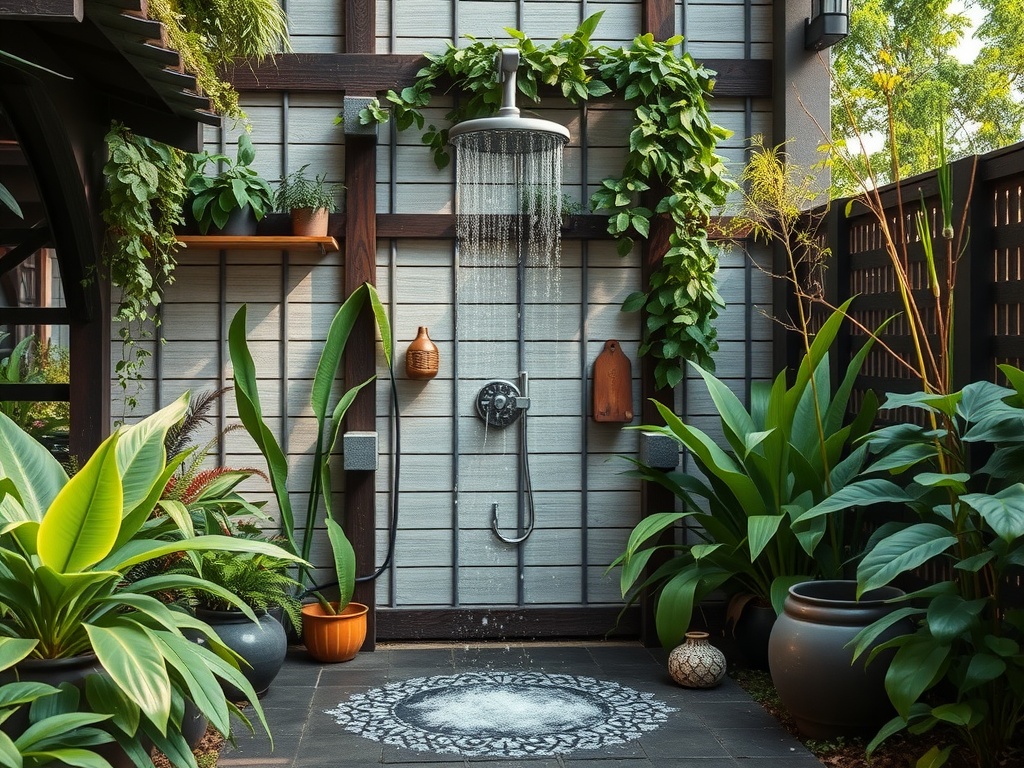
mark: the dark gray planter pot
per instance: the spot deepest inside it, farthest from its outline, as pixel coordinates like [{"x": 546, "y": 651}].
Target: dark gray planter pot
[
  {"x": 810, "y": 658},
  {"x": 241, "y": 223},
  {"x": 263, "y": 646}
]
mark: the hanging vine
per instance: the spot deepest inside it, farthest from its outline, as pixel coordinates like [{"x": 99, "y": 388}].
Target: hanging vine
[{"x": 670, "y": 164}]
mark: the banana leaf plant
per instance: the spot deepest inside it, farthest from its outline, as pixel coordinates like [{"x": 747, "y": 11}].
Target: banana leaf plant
[
  {"x": 66, "y": 546},
  {"x": 328, "y": 421},
  {"x": 790, "y": 450}
]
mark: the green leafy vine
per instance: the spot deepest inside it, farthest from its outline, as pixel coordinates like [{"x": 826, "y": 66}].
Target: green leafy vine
[
  {"x": 143, "y": 196},
  {"x": 671, "y": 168}
]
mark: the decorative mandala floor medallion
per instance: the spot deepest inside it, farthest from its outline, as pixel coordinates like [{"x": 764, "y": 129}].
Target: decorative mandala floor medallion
[{"x": 502, "y": 714}]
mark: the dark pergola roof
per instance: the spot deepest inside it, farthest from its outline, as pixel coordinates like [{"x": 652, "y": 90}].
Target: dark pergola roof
[
  {"x": 106, "y": 61},
  {"x": 111, "y": 49}
]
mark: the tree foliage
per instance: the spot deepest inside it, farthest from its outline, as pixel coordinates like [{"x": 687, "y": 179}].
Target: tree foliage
[{"x": 897, "y": 77}]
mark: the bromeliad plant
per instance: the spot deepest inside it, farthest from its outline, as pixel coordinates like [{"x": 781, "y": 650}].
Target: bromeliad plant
[
  {"x": 66, "y": 546},
  {"x": 963, "y": 667},
  {"x": 790, "y": 451},
  {"x": 671, "y": 169},
  {"x": 328, "y": 426}
]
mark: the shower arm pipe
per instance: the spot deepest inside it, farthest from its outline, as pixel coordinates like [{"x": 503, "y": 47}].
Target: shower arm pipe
[{"x": 506, "y": 61}]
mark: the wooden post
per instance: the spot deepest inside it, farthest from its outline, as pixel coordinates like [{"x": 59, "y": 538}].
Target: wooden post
[
  {"x": 972, "y": 308},
  {"x": 659, "y": 19},
  {"x": 360, "y": 357}
]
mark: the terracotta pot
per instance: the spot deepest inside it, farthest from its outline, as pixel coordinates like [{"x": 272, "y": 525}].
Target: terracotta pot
[
  {"x": 334, "y": 638},
  {"x": 812, "y": 665},
  {"x": 310, "y": 222}
]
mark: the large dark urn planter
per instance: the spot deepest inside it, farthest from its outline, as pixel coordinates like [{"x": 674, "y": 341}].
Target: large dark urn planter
[
  {"x": 810, "y": 658},
  {"x": 263, "y": 646}
]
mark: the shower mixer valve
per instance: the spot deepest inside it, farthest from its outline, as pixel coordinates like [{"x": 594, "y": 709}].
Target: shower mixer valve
[{"x": 500, "y": 403}]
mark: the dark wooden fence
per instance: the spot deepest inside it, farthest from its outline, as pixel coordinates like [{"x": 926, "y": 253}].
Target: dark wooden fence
[{"x": 988, "y": 318}]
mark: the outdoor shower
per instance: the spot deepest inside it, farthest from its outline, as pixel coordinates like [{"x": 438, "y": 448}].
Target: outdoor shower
[{"x": 509, "y": 201}]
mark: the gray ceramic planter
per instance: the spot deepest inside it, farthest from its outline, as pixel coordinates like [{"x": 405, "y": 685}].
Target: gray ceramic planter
[
  {"x": 810, "y": 658},
  {"x": 263, "y": 646}
]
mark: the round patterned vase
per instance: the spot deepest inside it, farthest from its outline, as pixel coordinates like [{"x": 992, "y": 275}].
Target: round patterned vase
[{"x": 697, "y": 663}]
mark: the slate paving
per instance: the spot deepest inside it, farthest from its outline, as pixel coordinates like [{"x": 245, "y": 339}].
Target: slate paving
[{"x": 716, "y": 728}]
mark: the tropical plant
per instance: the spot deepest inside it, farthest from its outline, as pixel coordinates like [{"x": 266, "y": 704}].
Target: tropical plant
[
  {"x": 297, "y": 190},
  {"x": 56, "y": 731},
  {"x": 211, "y": 35},
  {"x": 236, "y": 187},
  {"x": 962, "y": 667},
  {"x": 142, "y": 199},
  {"x": 258, "y": 580},
  {"x": 20, "y": 367},
  {"x": 671, "y": 169},
  {"x": 328, "y": 426},
  {"x": 789, "y": 451},
  {"x": 66, "y": 546}
]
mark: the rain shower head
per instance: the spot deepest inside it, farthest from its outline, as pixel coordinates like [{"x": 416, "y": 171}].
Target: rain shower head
[{"x": 508, "y": 132}]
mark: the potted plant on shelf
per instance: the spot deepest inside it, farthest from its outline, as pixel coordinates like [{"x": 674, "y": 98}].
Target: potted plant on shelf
[
  {"x": 65, "y": 551},
  {"x": 787, "y": 452},
  {"x": 328, "y": 425},
  {"x": 232, "y": 201},
  {"x": 309, "y": 200}
]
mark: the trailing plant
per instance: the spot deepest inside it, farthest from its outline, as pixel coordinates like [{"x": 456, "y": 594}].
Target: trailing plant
[
  {"x": 142, "y": 200},
  {"x": 671, "y": 169},
  {"x": 297, "y": 190},
  {"x": 790, "y": 450},
  {"x": 211, "y": 35},
  {"x": 962, "y": 667},
  {"x": 328, "y": 426},
  {"x": 237, "y": 186}
]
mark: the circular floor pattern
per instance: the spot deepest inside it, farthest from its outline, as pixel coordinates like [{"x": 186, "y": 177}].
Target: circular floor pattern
[{"x": 502, "y": 714}]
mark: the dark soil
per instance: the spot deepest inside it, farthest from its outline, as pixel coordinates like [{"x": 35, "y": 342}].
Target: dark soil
[
  {"x": 900, "y": 751},
  {"x": 207, "y": 751}
]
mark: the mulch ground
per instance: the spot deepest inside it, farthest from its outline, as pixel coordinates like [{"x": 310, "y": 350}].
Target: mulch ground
[{"x": 900, "y": 751}]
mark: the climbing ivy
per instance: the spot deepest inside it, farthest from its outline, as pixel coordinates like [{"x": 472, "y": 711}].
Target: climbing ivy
[{"x": 671, "y": 162}]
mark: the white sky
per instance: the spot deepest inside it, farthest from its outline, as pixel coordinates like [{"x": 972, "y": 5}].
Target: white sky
[{"x": 969, "y": 47}]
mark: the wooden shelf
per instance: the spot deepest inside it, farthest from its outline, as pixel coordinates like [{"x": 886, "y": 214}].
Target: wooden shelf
[{"x": 261, "y": 243}]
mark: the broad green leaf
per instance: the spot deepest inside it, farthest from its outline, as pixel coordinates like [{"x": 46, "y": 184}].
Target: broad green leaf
[
  {"x": 761, "y": 529},
  {"x": 780, "y": 590},
  {"x": 132, "y": 658},
  {"x": 141, "y": 454},
  {"x": 104, "y": 695},
  {"x": 135, "y": 519},
  {"x": 1003, "y": 511},
  {"x": 675, "y": 607},
  {"x": 935, "y": 757},
  {"x": 201, "y": 684},
  {"x": 981, "y": 669},
  {"x": 870, "y": 634},
  {"x": 71, "y": 756},
  {"x": 858, "y": 494},
  {"x": 344, "y": 561},
  {"x": 35, "y": 473},
  {"x": 901, "y": 552},
  {"x": 950, "y": 616},
  {"x": 16, "y": 693},
  {"x": 927, "y": 401},
  {"x": 81, "y": 525},
  {"x": 892, "y": 727},
  {"x": 55, "y": 726},
  {"x": 957, "y": 480},
  {"x": 247, "y": 399},
  {"x": 735, "y": 419},
  {"x": 139, "y": 551},
  {"x": 14, "y": 649},
  {"x": 913, "y": 670}
]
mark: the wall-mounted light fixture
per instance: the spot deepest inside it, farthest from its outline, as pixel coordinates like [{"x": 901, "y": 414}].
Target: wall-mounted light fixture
[{"x": 829, "y": 23}]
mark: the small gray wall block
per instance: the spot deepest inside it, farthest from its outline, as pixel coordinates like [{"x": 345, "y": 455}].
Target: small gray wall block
[
  {"x": 360, "y": 451},
  {"x": 658, "y": 450},
  {"x": 350, "y": 111}
]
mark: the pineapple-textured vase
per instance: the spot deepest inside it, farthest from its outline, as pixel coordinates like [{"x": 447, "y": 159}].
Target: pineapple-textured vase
[
  {"x": 697, "y": 663},
  {"x": 422, "y": 358}
]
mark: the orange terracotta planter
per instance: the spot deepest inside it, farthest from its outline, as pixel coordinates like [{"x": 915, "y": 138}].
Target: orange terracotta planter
[
  {"x": 334, "y": 638},
  {"x": 310, "y": 222}
]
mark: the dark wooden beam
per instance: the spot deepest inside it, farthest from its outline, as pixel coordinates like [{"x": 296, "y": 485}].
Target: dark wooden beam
[
  {"x": 55, "y": 393},
  {"x": 42, "y": 10},
  {"x": 361, "y": 26},
  {"x": 37, "y": 238},
  {"x": 518, "y": 623},
  {"x": 34, "y": 316},
  {"x": 368, "y": 72}
]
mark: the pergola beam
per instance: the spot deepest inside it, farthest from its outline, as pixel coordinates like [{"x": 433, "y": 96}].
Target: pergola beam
[{"x": 42, "y": 10}]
